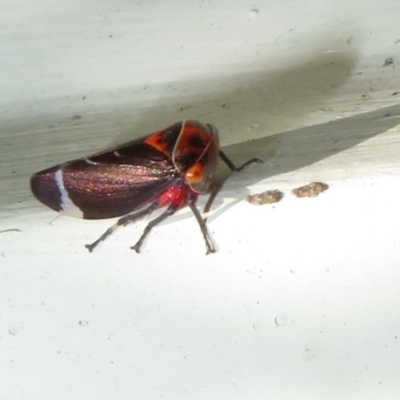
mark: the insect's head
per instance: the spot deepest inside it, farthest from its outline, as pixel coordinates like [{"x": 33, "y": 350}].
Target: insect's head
[{"x": 196, "y": 154}]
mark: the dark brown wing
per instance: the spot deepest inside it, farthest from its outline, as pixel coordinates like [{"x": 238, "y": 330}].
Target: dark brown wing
[{"x": 108, "y": 184}]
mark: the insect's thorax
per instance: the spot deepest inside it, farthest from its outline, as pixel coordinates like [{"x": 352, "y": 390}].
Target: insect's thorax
[{"x": 179, "y": 194}]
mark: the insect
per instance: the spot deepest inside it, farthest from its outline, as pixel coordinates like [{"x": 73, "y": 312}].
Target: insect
[{"x": 166, "y": 169}]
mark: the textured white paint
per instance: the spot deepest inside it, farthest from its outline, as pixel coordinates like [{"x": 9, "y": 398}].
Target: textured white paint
[{"x": 301, "y": 300}]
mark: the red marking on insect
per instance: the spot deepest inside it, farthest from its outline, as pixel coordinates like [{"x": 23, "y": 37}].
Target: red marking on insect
[{"x": 166, "y": 169}]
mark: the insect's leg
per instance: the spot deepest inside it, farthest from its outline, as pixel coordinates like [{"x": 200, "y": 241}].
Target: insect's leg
[
  {"x": 125, "y": 220},
  {"x": 203, "y": 227},
  {"x": 172, "y": 208},
  {"x": 232, "y": 166}
]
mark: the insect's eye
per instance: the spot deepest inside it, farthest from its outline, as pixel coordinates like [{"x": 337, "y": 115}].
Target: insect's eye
[{"x": 195, "y": 173}]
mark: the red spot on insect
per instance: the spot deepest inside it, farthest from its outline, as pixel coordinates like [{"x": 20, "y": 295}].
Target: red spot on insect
[
  {"x": 156, "y": 141},
  {"x": 174, "y": 195}
]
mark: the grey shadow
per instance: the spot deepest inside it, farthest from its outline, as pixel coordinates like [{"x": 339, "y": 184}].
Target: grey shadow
[
  {"x": 288, "y": 151},
  {"x": 252, "y": 104}
]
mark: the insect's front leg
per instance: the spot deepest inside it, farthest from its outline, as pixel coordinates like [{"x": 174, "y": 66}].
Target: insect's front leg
[
  {"x": 232, "y": 166},
  {"x": 203, "y": 227}
]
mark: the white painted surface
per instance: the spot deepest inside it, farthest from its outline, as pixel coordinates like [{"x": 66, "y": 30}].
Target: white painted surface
[{"x": 301, "y": 300}]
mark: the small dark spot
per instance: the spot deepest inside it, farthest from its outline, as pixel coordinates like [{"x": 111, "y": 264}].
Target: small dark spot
[
  {"x": 184, "y": 161},
  {"x": 280, "y": 320},
  {"x": 170, "y": 135},
  {"x": 395, "y": 93},
  {"x": 84, "y": 98},
  {"x": 388, "y": 61},
  {"x": 74, "y": 117},
  {"x": 110, "y": 36},
  {"x": 225, "y": 106},
  {"x": 197, "y": 142}
]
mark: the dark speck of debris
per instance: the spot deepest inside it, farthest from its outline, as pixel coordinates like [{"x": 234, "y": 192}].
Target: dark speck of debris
[
  {"x": 280, "y": 320},
  {"x": 268, "y": 197},
  {"x": 395, "y": 93},
  {"x": 313, "y": 189},
  {"x": 74, "y": 117},
  {"x": 84, "y": 98},
  {"x": 388, "y": 61}
]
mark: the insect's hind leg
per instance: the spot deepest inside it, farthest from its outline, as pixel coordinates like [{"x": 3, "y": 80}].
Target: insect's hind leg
[
  {"x": 125, "y": 220},
  {"x": 172, "y": 208}
]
